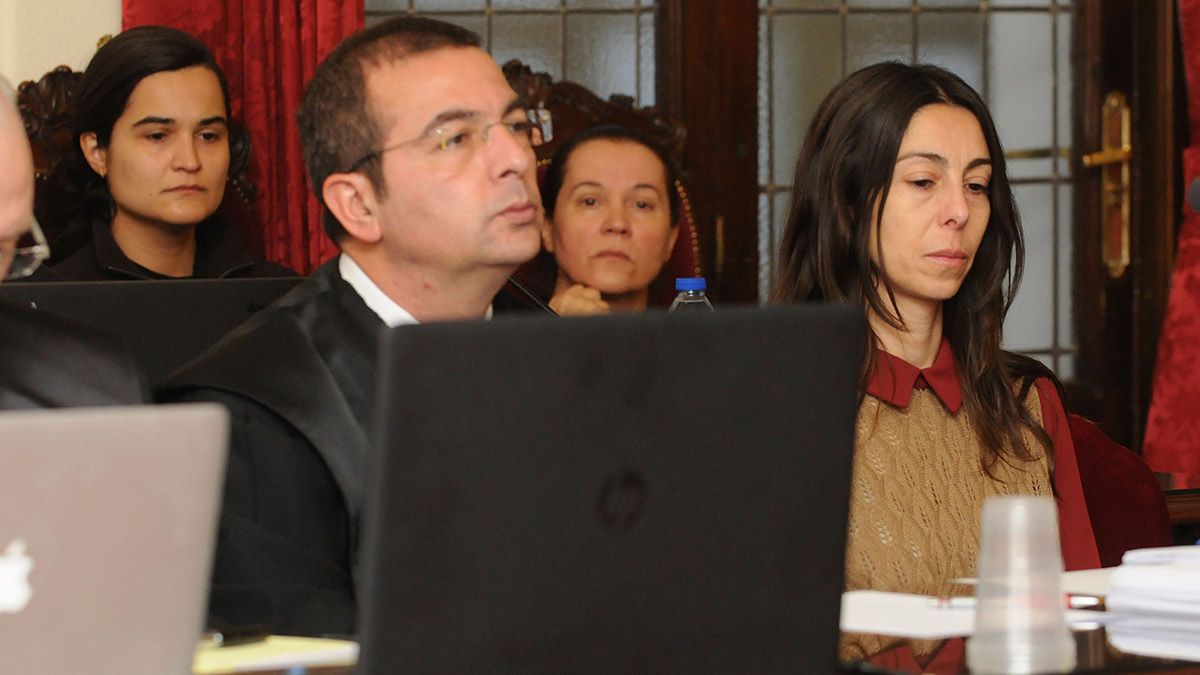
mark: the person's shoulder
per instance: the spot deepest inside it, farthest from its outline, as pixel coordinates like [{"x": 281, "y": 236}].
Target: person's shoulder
[
  {"x": 259, "y": 349},
  {"x": 79, "y": 265}
]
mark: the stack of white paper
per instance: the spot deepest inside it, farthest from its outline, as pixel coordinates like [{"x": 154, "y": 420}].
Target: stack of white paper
[{"x": 1154, "y": 599}]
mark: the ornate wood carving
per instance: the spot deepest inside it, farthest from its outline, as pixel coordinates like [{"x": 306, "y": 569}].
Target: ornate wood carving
[
  {"x": 575, "y": 108},
  {"x": 45, "y": 109}
]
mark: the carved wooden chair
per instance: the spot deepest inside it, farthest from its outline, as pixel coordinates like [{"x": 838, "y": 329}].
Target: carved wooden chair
[
  {"x": 574, "y": 109},
  {"x": 45, "y": 109},
  {"x": 1125, "y": 503}
]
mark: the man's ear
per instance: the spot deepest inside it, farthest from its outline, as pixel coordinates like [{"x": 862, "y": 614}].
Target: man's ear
[
  {"x": 350, "y": 197},
  {"x": 96, "y": 156}
]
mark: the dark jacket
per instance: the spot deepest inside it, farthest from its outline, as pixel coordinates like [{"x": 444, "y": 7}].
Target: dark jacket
[
  {"x": 298, "y": 379},
  {"x": 50, "y": 362},
  {"x": 220, "y": 254}
]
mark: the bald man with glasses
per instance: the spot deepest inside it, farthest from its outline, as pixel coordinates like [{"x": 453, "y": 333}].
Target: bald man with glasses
[
  {"x": 46, "y": 361},
  {"x": 422, "y": 156}
]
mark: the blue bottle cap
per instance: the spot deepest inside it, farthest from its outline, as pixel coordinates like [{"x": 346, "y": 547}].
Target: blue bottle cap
[{"x": 691, "y": 284}]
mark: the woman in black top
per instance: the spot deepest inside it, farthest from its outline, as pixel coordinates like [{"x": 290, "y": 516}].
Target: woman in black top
[{"x": 154, "y": 148}]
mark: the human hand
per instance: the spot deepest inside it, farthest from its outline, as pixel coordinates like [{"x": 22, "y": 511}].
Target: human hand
[{"x": 579, "y": 300}]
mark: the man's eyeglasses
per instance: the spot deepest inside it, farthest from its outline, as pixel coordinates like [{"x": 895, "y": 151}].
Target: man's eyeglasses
[
  {"x": 23, "y": 255},
  {"x": 462, "y": 137}
]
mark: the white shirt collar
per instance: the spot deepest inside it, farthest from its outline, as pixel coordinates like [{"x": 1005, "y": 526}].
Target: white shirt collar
[{"x": 387, "y": 309}]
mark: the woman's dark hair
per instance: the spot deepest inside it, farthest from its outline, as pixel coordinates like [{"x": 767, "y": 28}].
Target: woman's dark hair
[
  {"x": 100, "y": 98},
  {"x": 556, "y": 171},
  {"x": 844, "y": 172}
]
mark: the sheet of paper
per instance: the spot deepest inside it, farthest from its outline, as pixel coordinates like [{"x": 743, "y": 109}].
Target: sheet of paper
[
  {"x": 918, "y": 616},
  {"x": 1087, "y": 582},
  {"x": 276, "y": 652}
]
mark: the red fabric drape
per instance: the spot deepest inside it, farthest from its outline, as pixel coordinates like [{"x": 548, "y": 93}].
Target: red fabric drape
[
  {"x": 1172, "y": 441},
  {"x": 268, "y": 50}
]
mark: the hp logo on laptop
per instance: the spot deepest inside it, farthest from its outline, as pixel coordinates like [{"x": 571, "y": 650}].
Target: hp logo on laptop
[{"x": 621, "y": 499}]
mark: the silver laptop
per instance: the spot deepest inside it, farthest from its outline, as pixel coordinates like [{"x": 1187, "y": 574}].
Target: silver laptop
[{"x": 107, "y": 523}]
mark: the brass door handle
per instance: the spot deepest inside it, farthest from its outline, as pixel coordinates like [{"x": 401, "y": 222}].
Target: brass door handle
[
  {"x": 1107, "y": 156},
  {"x": 1113, "y": 162}
]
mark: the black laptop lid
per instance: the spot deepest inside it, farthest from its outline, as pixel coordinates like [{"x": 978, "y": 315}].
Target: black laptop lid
[
  {"x": 618, "y": 493},
  {"x": 163, "y": 323}
]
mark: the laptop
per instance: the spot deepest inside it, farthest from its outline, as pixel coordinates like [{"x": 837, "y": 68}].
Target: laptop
[
  {"x": 626, "y": 493},
  {"x": 107, "y": 523},
  {"x": 164, "y": 323}
]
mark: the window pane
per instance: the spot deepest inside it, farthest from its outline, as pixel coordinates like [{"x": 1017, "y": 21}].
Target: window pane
[
  {"x": 1038, "y": 167},
  {"x": 1066, "y": 367},
  {"x": 885, "y": 4},
  {"x": 1064, "y": 91},
  {"x": 526, "y": 4},
  {"x": 1020, "y": 78},
  {"x": 602, "y": 53},
  {"x": 448, "y": 5},
  {"x": 801, "y": 4},
  {"x": 600, "y": 3},
  {"x": 764, "y": 88},
  {"x": 1066, "y": 269},
  {"x": 475, "y": 23},
  {"x": 646, "y": 55},
  {"x": 1030, "y": 325},
  {"x": 534, "y": 39},
  {"x": 964, "y": 4},
  {"x": 806, "y": 63},
  {"x": 766, "y": 254},
  {"x": 871, "y": 38},
  {"x": 953, "y": 40}
]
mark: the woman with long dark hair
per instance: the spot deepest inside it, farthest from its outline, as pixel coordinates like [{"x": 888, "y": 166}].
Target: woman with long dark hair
[
  {"x": 902, "y": 205},
  {"x": 153, "y": 148}
]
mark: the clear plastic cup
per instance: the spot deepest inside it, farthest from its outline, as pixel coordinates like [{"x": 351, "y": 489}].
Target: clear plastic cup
[{"x": 1020, "y": 616}]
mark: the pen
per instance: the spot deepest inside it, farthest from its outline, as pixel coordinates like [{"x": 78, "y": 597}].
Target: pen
[
  {"x": 236, "y": 635},
  {"x": 945, "y": 602},
  {"x": 1070, "y": 601}
]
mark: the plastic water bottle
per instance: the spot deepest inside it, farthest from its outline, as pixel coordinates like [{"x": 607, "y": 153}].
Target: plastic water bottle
[{"x": 691, "y": 296}]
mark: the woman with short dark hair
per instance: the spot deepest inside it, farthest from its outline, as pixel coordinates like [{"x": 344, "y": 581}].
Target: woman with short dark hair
[
  {"x": 902, "y": 205},
  {"x": 154, "y": 147}
]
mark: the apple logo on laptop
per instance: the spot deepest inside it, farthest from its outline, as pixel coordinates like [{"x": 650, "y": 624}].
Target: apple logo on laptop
[{"x": 15, "y": 590}]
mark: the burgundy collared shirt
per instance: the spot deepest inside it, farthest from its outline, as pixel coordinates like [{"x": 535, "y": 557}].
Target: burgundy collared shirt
[{"x": 893, "y": 381}]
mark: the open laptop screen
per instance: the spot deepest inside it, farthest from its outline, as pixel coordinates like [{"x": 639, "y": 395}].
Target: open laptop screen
[
  {"x": 107, "y": 522},
  {"x": 164, "y": 323},
  {"x": 631, "y": 492}
]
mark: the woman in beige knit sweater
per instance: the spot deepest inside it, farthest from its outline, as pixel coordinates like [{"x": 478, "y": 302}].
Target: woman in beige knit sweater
[{"x": 902, "y": 205}]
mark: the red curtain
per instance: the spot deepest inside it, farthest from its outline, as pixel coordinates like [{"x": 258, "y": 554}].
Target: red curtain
[
  {"x": 268, "y": 50},
  {"x": 1172, "y": 441}
]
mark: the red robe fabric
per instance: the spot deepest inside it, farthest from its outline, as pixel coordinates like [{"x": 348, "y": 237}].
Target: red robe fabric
[
  {"x": 268, "y": 50},
  {"x": 1172, "y": 441}
]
